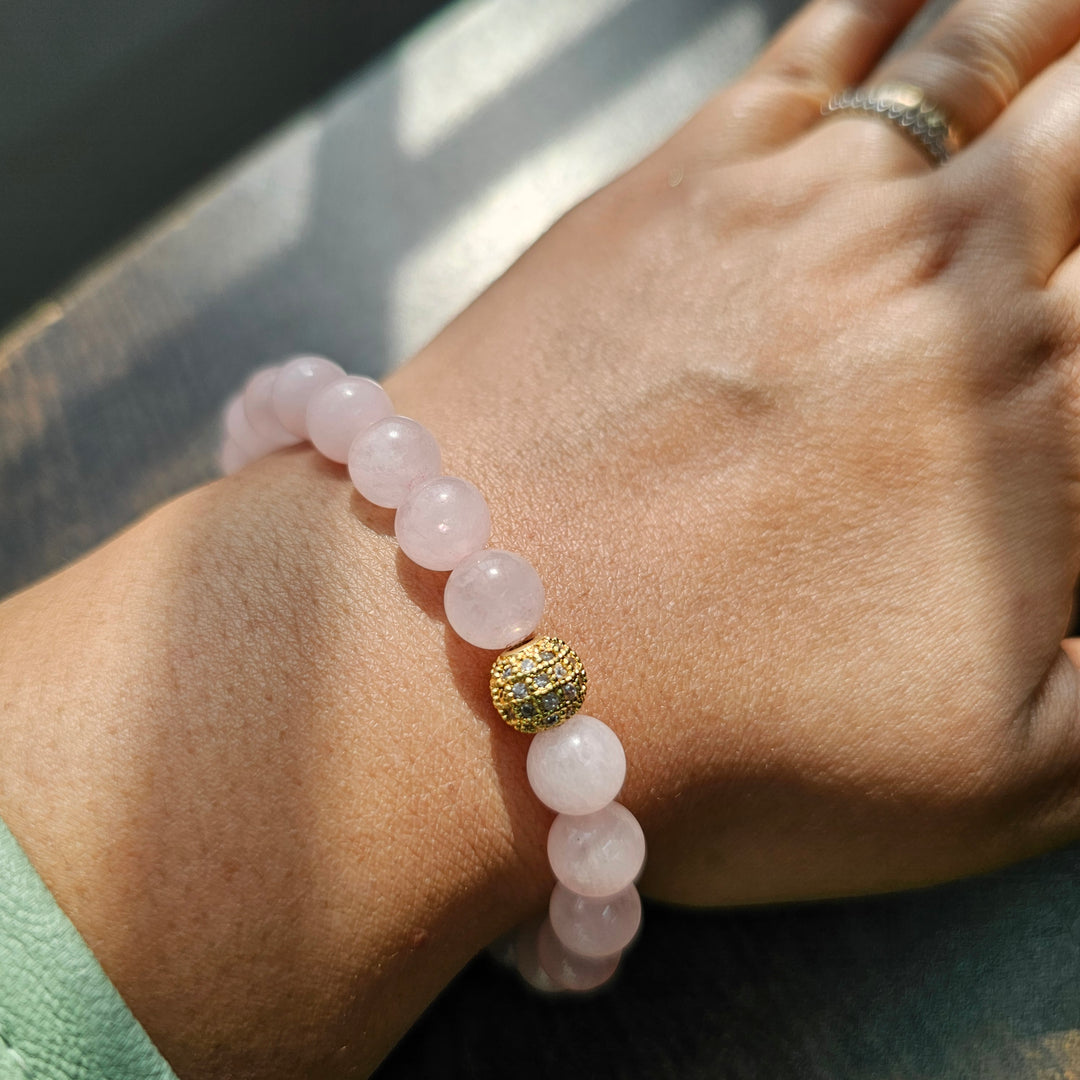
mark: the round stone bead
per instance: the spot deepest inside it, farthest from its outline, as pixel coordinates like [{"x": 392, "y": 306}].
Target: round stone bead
[
  {"x": 578, "y": 767},
  {"x": 567, "y": 970},
  {"x": 595, "y": 926},
  {"x": 494, "y": 599},
  {"x": 240, "y": 431},
  {"x": 527, "y": 959},
  {"x": 391, "y": 457},
  {"x": 259, "y": 409},
  {"x": 441, "y": 521},
  {"x": 339, "y": 411},
  {"x": 597, "y": 854},
  {"x": 297, "y": 380}
]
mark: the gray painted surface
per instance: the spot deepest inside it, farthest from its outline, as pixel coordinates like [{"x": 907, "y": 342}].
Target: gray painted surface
[{"x": 109, "y": 109}]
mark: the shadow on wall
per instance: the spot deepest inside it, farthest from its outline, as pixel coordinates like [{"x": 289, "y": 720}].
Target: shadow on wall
[{"x": 111, "y": 109}]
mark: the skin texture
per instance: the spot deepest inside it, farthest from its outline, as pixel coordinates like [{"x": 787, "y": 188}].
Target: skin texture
[{"x": 788, "y": 423}]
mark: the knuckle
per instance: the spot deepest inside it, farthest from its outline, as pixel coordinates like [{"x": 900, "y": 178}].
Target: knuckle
[
  {"x": 754, "y": 102},
  {"x": 977, "y": 58},
  {"x": 749, "y": 100},
  {"x": 799, "y": 73},
  {"x": 984, "y": 48}
]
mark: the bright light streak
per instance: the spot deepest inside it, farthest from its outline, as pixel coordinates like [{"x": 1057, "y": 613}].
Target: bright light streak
[
  {"x": 474, "y": 52},
  {"x": 453, "y": 265}
]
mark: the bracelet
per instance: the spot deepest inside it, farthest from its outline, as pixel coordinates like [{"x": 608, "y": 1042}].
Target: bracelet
[{"x": 493, "y": 600}]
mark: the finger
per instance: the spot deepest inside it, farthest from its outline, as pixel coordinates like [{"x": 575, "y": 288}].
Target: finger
[
  {"x": 975, "y": 61},
  {"x": 1029, "y": 166},
  {"x": 829, "y": 45}
]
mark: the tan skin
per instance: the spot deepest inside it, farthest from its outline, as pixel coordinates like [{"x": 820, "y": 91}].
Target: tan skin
[{"x": 788, "y": 422}]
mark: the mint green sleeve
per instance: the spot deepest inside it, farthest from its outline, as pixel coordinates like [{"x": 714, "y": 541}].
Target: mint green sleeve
[{"x": 60, "y": 1017}]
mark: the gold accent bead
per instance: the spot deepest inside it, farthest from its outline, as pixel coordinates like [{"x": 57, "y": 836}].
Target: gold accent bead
[{"x": 538, "y": 685}]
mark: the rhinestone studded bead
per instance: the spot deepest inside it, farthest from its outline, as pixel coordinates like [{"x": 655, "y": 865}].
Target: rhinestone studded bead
[{"x": 538, "y": 685}]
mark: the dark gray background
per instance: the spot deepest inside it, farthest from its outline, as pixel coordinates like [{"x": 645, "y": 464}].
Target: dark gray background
[{"x": 356, "y": 230}]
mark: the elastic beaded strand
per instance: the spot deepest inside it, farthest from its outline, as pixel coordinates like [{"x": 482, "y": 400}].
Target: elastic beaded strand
[{"x": 493, "y": 600}]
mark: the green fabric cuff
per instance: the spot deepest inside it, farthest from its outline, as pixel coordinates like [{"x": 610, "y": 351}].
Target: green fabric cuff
[{"x": 60, "y": 1017}]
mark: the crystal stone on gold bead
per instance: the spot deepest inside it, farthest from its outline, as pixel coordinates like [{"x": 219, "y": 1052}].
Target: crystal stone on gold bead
[{"x": 538, "y": 685}]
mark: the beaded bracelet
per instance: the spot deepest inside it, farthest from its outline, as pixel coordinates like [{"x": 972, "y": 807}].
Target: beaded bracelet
[{"x": 493, "y": 600}]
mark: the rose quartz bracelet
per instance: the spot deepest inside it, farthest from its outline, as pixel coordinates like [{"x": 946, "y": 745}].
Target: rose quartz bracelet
[{"x": 493, "y": 600}]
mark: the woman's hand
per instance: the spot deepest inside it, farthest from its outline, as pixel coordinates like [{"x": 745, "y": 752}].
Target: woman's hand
[{"x": 788, "y": 421}]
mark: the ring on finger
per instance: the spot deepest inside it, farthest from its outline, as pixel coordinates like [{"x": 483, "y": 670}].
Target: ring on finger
[{"x": 907, "y": 107}]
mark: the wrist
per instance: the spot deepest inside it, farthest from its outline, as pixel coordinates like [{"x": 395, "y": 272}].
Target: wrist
[
  {"x": 250, "y": 755},
  {"x": 408, "y": 702}
]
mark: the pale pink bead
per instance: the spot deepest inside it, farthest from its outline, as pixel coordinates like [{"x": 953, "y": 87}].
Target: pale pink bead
[
  {"x": 231, "y": 458},
  {"x": 297, "y": 381},
  {"x": 441, "y": 521},
  {"x": 339, "y": 411},
  {"x": 527, "y": 959},
  {"x": 391, "y": 457},
  {"x": 578, "y": 767},
  {"x": 494, "y": 599},
  {"x": 241, "y": 432},
  {"x": 568, "y": 970},
  {"x": 597, "y": 854},
  {"x": 595, "y": 926},
  {"x": 259, "y": 409}
]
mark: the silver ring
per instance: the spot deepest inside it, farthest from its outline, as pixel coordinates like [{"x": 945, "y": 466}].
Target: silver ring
[{"x": 905, "y": 106}]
